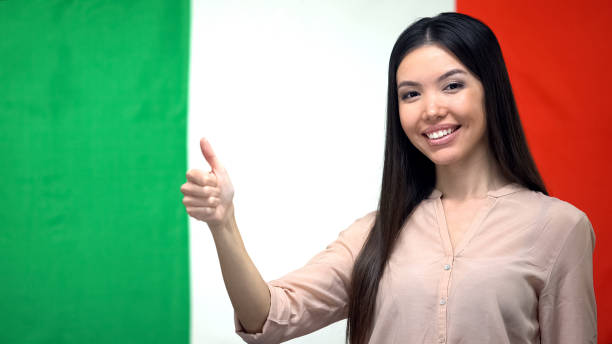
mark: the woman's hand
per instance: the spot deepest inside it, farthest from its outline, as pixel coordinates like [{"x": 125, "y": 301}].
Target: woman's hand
[{"x": 208, "y": 195}]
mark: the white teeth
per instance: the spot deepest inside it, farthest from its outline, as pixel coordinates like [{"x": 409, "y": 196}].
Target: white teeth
[{"x": 439, "y": 133}]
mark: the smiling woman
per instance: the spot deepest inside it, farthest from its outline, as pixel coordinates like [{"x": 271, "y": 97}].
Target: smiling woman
[
  {"x": 472, "y": 203},
  {"x": 465, "y": 246}
]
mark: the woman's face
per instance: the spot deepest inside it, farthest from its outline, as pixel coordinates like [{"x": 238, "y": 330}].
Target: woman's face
[{"x": 441, "y": 105}]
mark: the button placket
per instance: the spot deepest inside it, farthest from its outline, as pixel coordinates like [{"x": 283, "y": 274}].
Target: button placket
[
  {"x": 443, "y": 291},
  {"x": 446, "y": 272},
  {"x": 443, "y": 298}
]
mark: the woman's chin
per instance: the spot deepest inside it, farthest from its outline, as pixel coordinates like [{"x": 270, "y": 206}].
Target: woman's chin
[
  {"x": 443, "y": 160},
  {"x": 443, "y": 163}
]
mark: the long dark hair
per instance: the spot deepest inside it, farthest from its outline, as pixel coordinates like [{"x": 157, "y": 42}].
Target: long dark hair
[{"x": 409, "y": 176}]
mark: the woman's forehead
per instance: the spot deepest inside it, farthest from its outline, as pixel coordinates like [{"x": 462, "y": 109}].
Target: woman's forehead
[{"x": 427, "y": 61}]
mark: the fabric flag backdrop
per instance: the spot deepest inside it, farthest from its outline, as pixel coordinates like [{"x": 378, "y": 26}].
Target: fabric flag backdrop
[{"x": 103, "y": 103}]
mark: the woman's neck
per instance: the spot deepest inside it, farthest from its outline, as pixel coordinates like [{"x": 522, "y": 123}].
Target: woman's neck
[{"x": 470, "y": 178}]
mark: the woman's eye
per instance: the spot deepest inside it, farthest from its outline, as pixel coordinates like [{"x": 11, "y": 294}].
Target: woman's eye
[
  {"x": 453, "y": 86},
  {"x": 409, "y": 94}
]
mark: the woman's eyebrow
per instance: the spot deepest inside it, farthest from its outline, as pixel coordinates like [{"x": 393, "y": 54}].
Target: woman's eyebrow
[
  {"x": 440, "y": 78},
  {"x": 451, "y": 73}
]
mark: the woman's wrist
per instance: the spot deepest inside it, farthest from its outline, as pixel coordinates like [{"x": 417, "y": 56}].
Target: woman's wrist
[{"x": 227, "y": 226}]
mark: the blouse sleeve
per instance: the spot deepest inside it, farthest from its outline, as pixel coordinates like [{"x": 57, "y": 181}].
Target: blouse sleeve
[
  {"x": 315, "y": 295},
  {"x": 567, "y": 308}
]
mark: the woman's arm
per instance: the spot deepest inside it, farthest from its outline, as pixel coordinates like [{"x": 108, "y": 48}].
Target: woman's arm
[
  {"x": 208, "y": 197},
  {"x": 302, "y": 301},
  {"x": 247, "y": 290},
  {"x": 315, "y": 295},
  {"x": 567, "y": 309}
]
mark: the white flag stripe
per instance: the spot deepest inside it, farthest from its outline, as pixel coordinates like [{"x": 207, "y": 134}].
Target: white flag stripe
[{"x": 292, "y": 97}]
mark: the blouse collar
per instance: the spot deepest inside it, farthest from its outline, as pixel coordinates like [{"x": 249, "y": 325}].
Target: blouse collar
[{"x": 502, "y": 191}]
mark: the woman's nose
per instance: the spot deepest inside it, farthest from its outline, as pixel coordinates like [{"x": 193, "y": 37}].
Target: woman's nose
[{"x": 433, "y": 108}]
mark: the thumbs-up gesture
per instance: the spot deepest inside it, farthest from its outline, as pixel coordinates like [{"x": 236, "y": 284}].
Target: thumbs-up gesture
[{"x": 208, "y": 195}]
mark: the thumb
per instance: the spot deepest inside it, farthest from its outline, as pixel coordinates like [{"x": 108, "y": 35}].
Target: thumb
[{"x": 209, "y": 155}]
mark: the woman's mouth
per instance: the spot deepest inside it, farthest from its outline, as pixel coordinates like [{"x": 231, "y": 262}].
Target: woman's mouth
[{"x": 441, "y": 137}]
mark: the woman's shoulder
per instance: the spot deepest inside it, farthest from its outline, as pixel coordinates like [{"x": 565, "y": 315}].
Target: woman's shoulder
[
  {"x": 555, "y": 214},
  {"x": 563, "y": 233},
  {"x": 548, "y": 205},
  {"x": 554, "y": 225},
  {"x": 357, "y": 232}
]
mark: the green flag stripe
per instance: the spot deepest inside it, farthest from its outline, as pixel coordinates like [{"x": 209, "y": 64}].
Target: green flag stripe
[{"x": 94, "y": 239}]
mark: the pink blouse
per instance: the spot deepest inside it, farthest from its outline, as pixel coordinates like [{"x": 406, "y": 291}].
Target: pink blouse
[{"x": 521, "y": 274}]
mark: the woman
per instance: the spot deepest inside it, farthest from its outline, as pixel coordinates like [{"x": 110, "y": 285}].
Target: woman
[{"x": 466, "y": 245}]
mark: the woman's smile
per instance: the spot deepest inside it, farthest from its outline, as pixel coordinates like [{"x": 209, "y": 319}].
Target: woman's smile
[{"x": 442, "y": 137}]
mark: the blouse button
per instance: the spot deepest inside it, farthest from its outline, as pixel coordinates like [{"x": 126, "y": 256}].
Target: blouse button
[
  {"x": 442, "y": 302},
  {"x": 446, "y": 267}
]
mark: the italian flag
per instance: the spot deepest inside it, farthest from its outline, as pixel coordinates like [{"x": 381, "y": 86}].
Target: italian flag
[{"x": 102, "y": 106}]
